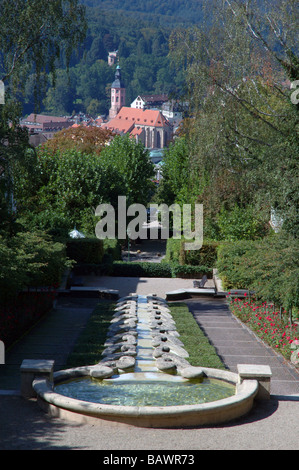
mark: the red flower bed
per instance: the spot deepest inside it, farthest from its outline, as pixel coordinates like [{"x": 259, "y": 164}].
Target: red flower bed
[{"x": 273, "y": 327}]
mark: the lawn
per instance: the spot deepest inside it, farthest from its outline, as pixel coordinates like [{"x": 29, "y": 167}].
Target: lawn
[
  {"x": 90, "y": 344},
  {"x": 201, "y": 352}
]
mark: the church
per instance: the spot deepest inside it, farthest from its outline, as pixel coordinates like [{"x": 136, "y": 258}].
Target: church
[{"x": 148, "y": 126}]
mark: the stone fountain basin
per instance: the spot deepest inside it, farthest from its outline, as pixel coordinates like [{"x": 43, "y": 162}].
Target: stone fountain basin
[{"x": 215, "y": 412}]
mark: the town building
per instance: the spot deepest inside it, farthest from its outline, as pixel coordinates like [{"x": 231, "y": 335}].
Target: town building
[
  {"x": 118, "y": 94},
  {"x": 112, "y": 57},
  {"x": 148, "y": 126},
  {"x": 142, "y": 123},
  {"x": 149, "y": 101},
  {"x": 42, "y": 127}
]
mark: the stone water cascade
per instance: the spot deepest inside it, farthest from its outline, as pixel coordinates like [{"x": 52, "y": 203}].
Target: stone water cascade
[
  {"x": 143, "y": 350},
  {"x": 143, "y": 343}
]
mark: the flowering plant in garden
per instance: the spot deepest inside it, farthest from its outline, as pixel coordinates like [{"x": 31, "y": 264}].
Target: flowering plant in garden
[{"x": 274, "y": 328}]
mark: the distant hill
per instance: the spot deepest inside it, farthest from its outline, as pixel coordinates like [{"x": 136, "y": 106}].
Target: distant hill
[
  {"x": 171, "y": 12},
  {"x": 140, "y": 32}
]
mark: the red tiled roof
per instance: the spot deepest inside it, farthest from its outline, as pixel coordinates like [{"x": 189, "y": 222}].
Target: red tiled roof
[
  {"x": 136, "y": 131},
  {"x": 41, "y": 119},
  {"x": 128, "y": 117}
]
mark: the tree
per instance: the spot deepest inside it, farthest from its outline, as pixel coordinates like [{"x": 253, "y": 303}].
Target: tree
[
  {"x": 64, "y": 190},
  {"x": 33, "y": 36},
  {"x": 88, "y": 140},
  {"x": 244, "y": 121},
  {"x": 177, "y": 185},
  {"x": 60, "y": 99},
  {"x": 131, "y": 159}
]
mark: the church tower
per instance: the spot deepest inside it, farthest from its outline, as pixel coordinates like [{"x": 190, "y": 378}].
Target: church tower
[{"x": 118, "y": 94}]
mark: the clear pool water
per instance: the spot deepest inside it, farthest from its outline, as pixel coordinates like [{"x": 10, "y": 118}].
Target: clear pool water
[{"x": 133, "y": 393}]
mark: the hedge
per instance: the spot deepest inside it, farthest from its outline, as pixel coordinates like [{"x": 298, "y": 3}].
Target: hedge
[
  {"x": 85, "y": 250},
  {"x": 142, "y": 269},
  {"x": 26, "y": 309},
  {"x": 113, "y": 248},
  {"x": 176, "y": 254},
  {"x": 191, "y": 272},
  {"x": 270, "y": 267},
  {"x": 206, "y": 256}
]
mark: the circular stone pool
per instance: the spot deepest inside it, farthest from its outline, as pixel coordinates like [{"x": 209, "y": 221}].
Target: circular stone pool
[
  {"x": 144, "y": 382},
  {"x": 135, "y": 393},
  {"x": 51, "y": 399}
]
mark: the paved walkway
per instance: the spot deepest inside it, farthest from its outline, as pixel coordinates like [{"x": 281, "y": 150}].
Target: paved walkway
[
  {"x": 270, "y": 425},
  {"x": 236, "y": 344}
]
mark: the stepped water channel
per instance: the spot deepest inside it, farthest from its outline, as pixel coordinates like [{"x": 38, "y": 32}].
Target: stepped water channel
[
  {"x": 144, "y": 377},
  {"x": 144, "y": 346},
  {"x": 155, "y": 337}
]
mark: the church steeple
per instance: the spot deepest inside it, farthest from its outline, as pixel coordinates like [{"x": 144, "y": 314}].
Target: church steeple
[{"x": 118, "y": 94}]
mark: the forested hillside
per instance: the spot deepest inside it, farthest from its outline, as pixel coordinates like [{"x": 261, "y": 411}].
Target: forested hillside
[
  {"x": 158, "y": 11},
  {"x": 140, "y": 31}
]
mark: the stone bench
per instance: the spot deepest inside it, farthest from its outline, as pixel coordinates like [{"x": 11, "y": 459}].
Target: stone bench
[
  {"x": 260, "y": 373},
  {"x": 187, "y": 293},
  {"x": 200, "y": 283},
  {"x": 32, "y": 369}
]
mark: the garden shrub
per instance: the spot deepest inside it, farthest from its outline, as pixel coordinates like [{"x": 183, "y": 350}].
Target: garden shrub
[
  {"x": 176, "y": 254},
  {"x": 270, "y": 267},
  {"x": 85, "y": 250},
  {"x": 142, "y": 269},
  {"x": 240, "y": 224},
  {"x": 29, "y": 260},
  {"x": 191, "y": 272},
  {"x": 113, "y": 248},
  {"x": 23, "y": 312},
  {"x": 230, "y": 264},
  {"x": 31, "y": 266},
  {"x": 207, "y": 255},
  {"x": 173, "y": 248}
]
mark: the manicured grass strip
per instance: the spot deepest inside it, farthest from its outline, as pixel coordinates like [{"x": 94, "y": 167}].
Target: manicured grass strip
[
  {"x": 90, "y": 344},
  {"x": 201, "y": 352}
]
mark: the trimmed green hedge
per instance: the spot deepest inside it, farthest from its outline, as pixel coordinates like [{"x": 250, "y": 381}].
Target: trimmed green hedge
[
  {"x": 191, "y": 272},
  {"x": 176, "y": 254},
  {"x": 85, "y": 250},
  {"x": 206, "y": 256},
  {"x": 172, "y": 251},
  {"x": 142, "y": 269}
]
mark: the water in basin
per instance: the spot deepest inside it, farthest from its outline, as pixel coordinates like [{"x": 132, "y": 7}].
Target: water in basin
[{"x": 136, "y": 393}]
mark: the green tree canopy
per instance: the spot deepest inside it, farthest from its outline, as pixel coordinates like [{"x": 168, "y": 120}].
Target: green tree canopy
[
  {"x": 33, "y": 35},
  {"x": 64, "y": 189},
  {"x": 131, "y": 159},
  {"x": 245, "y": 127}
]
